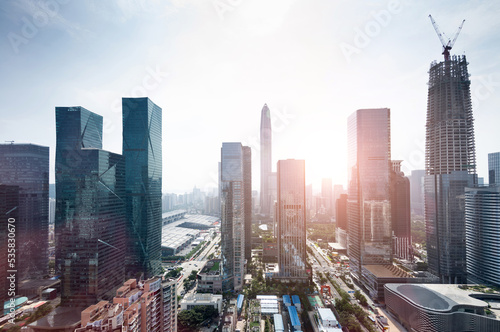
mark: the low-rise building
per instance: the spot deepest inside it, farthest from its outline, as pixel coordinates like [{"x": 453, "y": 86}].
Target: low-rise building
[
  {"x": 440, "y": 308},
  {"x": 374, "y": 277},
  {"x": 190, "y": 301},
  {"x": 210, "y": 278},
  {"x": 327, "y": 320}
]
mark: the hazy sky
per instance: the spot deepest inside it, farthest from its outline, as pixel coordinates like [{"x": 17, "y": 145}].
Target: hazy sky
[{"x": 212, "y": 64}]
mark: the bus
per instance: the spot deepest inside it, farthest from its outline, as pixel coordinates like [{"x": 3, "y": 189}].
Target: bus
[{"x": 382, "y": 323}]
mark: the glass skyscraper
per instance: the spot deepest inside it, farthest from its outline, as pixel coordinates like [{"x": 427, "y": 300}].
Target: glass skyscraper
[
  {"x": 265, "y": 161},
  {"x": 143, "y": 168},
  {"x": 482, "y": 229},
  {"x": 400, "y": 212},
  {"x": 291, "y": 219},
  {"x": 247, "y": 179},
  {"x": 234, "y": 165},
  {"x": 494, "y": 168},
  {"x": 369, "y": 207},
  {"x": 9, "y": 214},
  {"x": 450, "y": 165},
  {"x": 27, "y": 166},
  {"x": 90, "y": 210}
]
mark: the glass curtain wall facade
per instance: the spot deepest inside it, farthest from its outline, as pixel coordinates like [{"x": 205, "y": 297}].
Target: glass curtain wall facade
[
  {"x": 233, "y": 223},
  {"x": 265, "y": 160},
  {"x": 450, "y": 165},
  {"x": 482, "y": 230},
  {"x": 400, "y": 212},
  {"x": 142, "y": 150},
  {"x": 369, "y": 207},
  {"x": 247, "y": 178},
  {"x": 291, "y": 210},
  {"x": 90, "y": 211},
  {"x": 27, "y": 166},
  {"x": 494, "y": 168},
  {"x": 9, "y": 214}
]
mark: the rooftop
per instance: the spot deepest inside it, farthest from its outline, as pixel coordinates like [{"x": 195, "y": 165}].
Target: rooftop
[
  {"x": 437, "y": 297},
  {"x": 60, "y": 317},
  {"x": 177, "y": 233},
  {"x": 387, "y": 271},
  {"x": 326, "y": 314}
]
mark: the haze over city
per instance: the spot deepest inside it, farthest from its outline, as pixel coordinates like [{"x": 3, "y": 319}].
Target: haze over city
[{"x": 211, "y": 66}]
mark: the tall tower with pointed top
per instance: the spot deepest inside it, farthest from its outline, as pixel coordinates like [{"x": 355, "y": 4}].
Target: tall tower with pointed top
[{"x": 265, "y": 160}]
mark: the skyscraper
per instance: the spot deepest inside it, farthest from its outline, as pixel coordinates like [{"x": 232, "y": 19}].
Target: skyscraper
[
  {"x": 494, "y": 168},
  {"x": 450, "y": 165},
  {"x": 291, "y": 209},
  {"x": 369, "y": 208},
  {"x": 338, "y": 190},
  {"x": 90, "y": 211},
  {"x": 265, "y": 160},
  {"x": 247, "y": 179},
  {"x": 400, "y": 212},
  {"x": 9, "y": 214},
  {"x": 234, "y": 156},
  {"x": 341, "y": 220},
  {"x": 27, "y": 166},
  {"x": 143, "y": 168},
  {"x": 327, "y": 195},
  {"x": 482, "y": 229},
  {"x": 417, "y": 191}
]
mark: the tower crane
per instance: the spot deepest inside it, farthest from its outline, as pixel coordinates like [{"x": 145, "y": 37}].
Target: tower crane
[{"x": 442, "y": 37}]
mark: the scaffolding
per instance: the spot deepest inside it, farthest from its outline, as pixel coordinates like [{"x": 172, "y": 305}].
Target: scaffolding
[{"x": 450, "y": 143}]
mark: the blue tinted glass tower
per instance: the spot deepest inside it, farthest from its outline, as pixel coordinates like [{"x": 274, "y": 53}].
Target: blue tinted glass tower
[
  {"x": 494, "y": 168},
  {"x": 27, "y": 166},
  {"x": 482, "y": 229},
  {"x": 143, "y": 166},
  {"x": 90, "y": 210}
]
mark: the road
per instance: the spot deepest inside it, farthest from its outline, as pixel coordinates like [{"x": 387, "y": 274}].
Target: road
[
  {"x": 325, "y": 266},
  {"x": 196, "y": 264}
]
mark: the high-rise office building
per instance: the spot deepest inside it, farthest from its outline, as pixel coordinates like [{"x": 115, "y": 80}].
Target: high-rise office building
[
  {"x": 327, "y": 195},
  {"x": 90, "y": 212},
  {"x": 247, "y": 179},
  {"x": 482, "y": 229},
  {"x": 9, "y": 214},
  {"x": 400, "y": 212},
  {"x": 143, "y": 168},
  {"x": 265, "y": 160},
  {"x": 450, "y": 165},
  {"x": 341, "y": 220},
  {"x": 27, "y": 166},
  {"x": 417, "y": 191},
  {"x": 233, "y": 199},
  {"x": 309, "y": 202},
  {"x": 369, "y": 207},
  {"x": 338, "y": 190},
  {"x": 291, "y": 209},
  {"x": 494, "y": 168}
]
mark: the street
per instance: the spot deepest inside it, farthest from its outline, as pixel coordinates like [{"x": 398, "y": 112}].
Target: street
[{"x": 325, "y": 266}]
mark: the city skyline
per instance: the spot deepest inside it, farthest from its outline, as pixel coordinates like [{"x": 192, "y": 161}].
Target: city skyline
[{"x": 302, "y": 69}]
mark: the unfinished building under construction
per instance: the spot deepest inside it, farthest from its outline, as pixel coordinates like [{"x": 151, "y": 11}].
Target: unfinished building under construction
[{"x": 450, "y": 166}]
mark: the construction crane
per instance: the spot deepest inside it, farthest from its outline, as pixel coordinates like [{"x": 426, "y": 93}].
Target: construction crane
[{"x": 442, "y": 37}]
